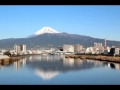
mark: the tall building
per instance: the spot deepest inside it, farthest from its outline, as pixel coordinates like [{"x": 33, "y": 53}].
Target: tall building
[
  {"x": 68, "y": 48},
  {"x": 78, "y": 48},
  {"x": 19, "y": 48},
  {"x": 22, "y": 47}
]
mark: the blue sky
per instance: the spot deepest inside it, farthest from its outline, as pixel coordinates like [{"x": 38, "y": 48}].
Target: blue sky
[{"x": 99, "y": 21}]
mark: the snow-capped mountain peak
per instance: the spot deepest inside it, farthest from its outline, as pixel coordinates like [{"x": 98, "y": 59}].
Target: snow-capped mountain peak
[{"x": 45, "y": 30}]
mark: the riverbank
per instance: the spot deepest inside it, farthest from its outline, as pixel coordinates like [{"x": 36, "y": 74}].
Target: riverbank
[
  {"x": 8, "y": 60},
  {"x": 94, "y": 57}
]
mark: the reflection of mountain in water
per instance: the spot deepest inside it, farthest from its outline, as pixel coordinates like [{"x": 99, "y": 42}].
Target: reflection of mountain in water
[
  {"x": 46, "y": 75},
  {"x": 56, "y": 63},
  {"x": 49, "y": 66}
]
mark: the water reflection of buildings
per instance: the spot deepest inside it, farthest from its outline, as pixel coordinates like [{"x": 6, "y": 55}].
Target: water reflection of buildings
[
  {"x": 117, "y": 65},
  {"x": 48, "y": 67},
  {"x": 78, "y": 61},
  {"x": 46, "y": 75},
  {"x": 30, "y": 58},
  {"x": 24, "y": 61},
  {"x": 68, "y": 62},
  {"x": 72, "y": 62},
  {"x": 17, "y": 65},
  {"x": 108, "y": 64},
  {"x": 95, "y": 62},
  {"x": 45, "y": 58},
  {"x": 113, "y": 65},
  {"x": 90, "y": 61}
]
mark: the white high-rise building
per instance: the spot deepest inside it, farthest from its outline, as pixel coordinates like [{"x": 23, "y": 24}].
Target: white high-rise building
[
  {"x": 22, "y": 47},
  {"x": 19, "y": 48}
]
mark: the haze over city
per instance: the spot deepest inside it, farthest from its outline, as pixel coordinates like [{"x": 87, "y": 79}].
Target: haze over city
[{"x": 95, "y": 21}]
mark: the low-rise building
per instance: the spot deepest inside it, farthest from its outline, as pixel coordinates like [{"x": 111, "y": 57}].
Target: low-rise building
[
  {"x": 105, "y": 51},
  {"x": 29, "y": 51},
  {"x": 68, "y": 48},
  {"x": 114, "y": 51},
  {"x": 78, "y": 48},
  {"x": 13, "y": 52},
  {"x": 2, "y": 52},
  {"x": 60, "y": 48}
]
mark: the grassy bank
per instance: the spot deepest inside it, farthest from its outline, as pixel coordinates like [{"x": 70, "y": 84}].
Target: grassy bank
[{"x": 94, "y": 57}]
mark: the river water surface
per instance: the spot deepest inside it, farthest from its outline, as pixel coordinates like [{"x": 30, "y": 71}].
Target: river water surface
[{"x": 57, "y": 70}]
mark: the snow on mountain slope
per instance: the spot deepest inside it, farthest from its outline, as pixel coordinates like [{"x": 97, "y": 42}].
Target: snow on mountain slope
[{"x": 45, "y": 30}]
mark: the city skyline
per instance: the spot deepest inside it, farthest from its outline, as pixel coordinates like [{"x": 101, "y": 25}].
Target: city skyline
[{"x": 95, "y": 21}]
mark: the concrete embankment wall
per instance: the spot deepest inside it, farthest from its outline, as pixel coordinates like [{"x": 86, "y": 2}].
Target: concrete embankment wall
[{"x": 93, "y": 57}]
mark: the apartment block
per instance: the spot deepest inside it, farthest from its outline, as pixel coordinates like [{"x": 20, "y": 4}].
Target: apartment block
[{"x": 68, "y": 48}]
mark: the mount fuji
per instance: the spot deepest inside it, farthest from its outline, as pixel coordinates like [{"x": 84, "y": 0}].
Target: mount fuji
[
  {"x": 47, "y": 37},
  {"x": 44, "y": 30}
]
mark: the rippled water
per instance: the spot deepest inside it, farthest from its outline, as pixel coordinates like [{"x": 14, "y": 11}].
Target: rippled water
[{"x": 57, "y": 70}]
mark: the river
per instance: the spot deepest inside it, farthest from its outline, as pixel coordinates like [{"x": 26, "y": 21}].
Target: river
[{"x": 57, "y": 70}]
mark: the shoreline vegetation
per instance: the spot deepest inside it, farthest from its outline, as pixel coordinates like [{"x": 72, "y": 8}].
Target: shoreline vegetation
[
  {"x": 7, "y": 61},
  {"x": 10, "y": 59},
  {"x": 95, "y": 57}
]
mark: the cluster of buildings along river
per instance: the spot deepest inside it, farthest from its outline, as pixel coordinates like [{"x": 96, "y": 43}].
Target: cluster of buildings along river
[{"x": 97, "y": 48}]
